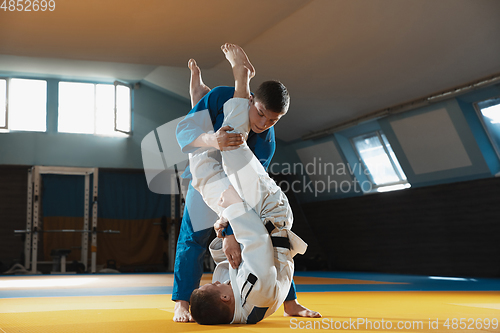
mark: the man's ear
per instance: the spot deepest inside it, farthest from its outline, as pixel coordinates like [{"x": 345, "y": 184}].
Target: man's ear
[
  {"x": 251, "y": 99},
  {"x": 225, "y": 297}
]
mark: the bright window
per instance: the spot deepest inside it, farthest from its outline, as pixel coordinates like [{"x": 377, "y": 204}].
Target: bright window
[
  {"x": 105, "y": 103},
  {"x": 90, "y": 108},
  {"x": 123, "y": 114},
  {"x": 76, "y": 107},
  {"x": 3, "y": 103},
  {"x": 489, "y": 112},
  {"x": 25, "y": 109},
  {"x": 380, "y": 162}
]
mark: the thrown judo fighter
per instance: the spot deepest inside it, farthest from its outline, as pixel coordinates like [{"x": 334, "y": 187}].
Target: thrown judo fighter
[{"x": 243, "y": 195}]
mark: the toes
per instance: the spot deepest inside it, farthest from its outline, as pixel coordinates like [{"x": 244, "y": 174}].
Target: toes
[
  {"x": 315, "y": 314},
  {"x": 183, "y": 319},
  {"x": 192, "y": 64},
  {"x": 251, "y": 69},
  {"x": 310, "y": 314},
  {"x": 228, "y": 47}
]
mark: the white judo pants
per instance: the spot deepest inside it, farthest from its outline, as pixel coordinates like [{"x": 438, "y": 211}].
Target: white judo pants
[{"x": 245, "y": 173}]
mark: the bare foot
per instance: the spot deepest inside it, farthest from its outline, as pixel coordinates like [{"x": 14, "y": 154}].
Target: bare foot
[
  {"x": 236, "y": 56},
  {"x": 295, "y": 309},
  {"x": 197, "y": 89},
  {"x": 181, "y": 312}
]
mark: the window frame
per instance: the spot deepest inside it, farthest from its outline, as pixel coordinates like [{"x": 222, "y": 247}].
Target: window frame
[
  {"x": 480, "y": 115},
  {"x": 376, "y": 187},
  {"x": 116, "y": 84},
  {"x": 6, "y": 129},
  {"x": 7, "y": 82}
]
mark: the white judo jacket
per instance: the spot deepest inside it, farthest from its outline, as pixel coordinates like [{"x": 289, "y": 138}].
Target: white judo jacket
[{"x": 262, "y": 281}]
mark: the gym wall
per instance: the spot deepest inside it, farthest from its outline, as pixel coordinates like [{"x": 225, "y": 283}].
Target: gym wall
[
  {"x": 125, "y": 204},
  {"x": 13, "y": 194},
  {"x": 443, "y": 230},
  {"x": 151, "y": 109}
]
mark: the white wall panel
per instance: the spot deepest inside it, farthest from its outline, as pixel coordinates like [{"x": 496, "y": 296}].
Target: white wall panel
[
  {"x": 431, "y": 142},
  {"x": 323, "y": 164}
]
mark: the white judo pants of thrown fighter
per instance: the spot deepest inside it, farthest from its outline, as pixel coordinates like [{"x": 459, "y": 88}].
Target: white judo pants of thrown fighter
[{"x": 244, "y": 172}]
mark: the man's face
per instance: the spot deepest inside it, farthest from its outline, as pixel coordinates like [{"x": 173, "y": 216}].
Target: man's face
[
  {"x": 217, "y": 287},
  {"x": 261, "y": 118}
]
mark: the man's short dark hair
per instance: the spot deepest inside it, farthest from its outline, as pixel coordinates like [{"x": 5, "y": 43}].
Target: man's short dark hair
[
  {"x": 274, "y": 95},
  {"x": 208, "y": 309}
]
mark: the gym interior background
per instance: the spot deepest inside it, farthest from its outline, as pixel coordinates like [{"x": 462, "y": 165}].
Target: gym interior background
[{"x": 411, "y": 79}]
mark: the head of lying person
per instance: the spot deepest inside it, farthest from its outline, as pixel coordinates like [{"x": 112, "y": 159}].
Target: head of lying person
[
  {"x": 269, "y": 103},
  {"x": 213, "y": 304}
]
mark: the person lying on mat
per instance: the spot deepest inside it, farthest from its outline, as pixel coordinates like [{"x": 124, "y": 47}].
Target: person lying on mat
[
  {"x": 192, "y": 242},
  {"x": 257, "y": 211}
]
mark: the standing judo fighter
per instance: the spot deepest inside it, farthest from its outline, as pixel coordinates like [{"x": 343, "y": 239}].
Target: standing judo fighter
[
  {"x": 261, "y": 223},
  {"x": 192, "y": 241}
]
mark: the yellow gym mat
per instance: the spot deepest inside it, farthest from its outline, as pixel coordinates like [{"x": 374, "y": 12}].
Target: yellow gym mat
[{"x": 100, "y": 303}]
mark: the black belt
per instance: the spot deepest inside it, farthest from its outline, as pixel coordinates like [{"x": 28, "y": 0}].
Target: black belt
[{"x": 277, "y": 240}]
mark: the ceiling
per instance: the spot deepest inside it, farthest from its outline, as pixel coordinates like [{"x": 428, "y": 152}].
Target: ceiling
[{"x": 340, "y": 59}]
